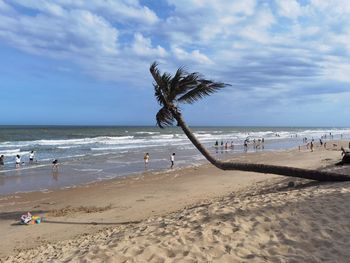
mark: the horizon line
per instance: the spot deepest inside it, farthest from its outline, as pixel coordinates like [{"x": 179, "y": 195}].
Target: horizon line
[{"x": 155, "y": 126}]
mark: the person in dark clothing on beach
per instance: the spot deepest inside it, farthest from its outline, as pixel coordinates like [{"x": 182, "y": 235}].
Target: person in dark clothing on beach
[
  {"x": 172, "y": 160},
  {"x": 2, "y": 157}
]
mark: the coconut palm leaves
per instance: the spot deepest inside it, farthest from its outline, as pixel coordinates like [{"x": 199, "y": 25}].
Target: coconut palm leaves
[{"x": 183, "y": 87}]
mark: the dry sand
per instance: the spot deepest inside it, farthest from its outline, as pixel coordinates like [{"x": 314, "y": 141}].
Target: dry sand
[{"x": 189, "y": 215}]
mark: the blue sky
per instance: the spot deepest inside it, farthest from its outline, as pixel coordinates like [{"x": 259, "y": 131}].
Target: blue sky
[{"x": 87, "y": 62}]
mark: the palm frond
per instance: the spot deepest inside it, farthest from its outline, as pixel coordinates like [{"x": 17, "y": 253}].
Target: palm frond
[
  {"x": 162, "y": 84},
  {"x": 155, "y": 73},
  {"x": 164, "y": 118},
  {"x": 188, "y": 82},
  {"x": 203, "y": 89},
  {"x": 159, "y": 95},
  {"x": 165, "y": 86},
  {"x": 175, "y": 82}
]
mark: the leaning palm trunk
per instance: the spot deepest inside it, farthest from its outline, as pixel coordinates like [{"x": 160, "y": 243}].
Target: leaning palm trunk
[
  {"x": 258, "y": 168},
  {"x": 188, "y": 88}
]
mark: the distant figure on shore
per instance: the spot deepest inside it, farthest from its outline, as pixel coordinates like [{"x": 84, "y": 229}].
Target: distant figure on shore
[
  {"x": 172, "y": 160},
  {"x": 31, "y": 157},
  {"x": 312, "y": 146},
  {"x": 245, "y": 144},
  {"x": 18, "y": 160},
  {"x": 55, "y": 164},
  {"x": 263, "y": 143},
  {"x": 232, "y": 145},
  {"x": 321, "y": 143},
  {"x": 146, "y": 159},
  {"x": 2, "y": 157}
]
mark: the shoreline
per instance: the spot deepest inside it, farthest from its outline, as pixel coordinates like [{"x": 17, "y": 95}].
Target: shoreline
[
  {"x": 72, "y": 212},
  {"x": 34, "y": 174},
  {"x": 87, "y": 155}
]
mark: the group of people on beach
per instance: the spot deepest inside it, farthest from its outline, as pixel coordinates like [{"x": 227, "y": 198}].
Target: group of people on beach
[
  {"x": 310, "y": 144},
  {"x": 32, "y": 159},
  {"x": 257, "y": 144},
  {"x": 146, "y": 158}
]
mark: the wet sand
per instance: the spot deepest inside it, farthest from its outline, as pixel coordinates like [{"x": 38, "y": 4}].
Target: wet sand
[{"x": 187, "y": 215}]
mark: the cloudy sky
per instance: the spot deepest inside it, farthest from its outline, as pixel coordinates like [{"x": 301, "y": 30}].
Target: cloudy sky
[{"x": 87, "y": 62}]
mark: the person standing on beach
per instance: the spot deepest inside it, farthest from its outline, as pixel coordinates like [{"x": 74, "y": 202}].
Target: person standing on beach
[
  {"x": 216, "y": 146},
  {"x": 146, "y": 159},
  {"x": 2, "y": 157},
  {"x": 312, "y": 146},
  {"x": 172, "y": 160},
  {"x": 55, "y": 164},
  {"x": 18, "y": 160},
  {"x": 31, "y": 157}
]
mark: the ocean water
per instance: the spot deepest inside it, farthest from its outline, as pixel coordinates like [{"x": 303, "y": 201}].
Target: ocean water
[{"x": 88, "y": 154}]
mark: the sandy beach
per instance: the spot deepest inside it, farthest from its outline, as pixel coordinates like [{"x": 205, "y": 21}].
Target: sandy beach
[{"x": 198, "y": 214}]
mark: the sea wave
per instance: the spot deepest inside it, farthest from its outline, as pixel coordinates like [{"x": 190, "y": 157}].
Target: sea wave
[
  {"x": 13, "y": 152},
  {"x": 143, "y": 132}
]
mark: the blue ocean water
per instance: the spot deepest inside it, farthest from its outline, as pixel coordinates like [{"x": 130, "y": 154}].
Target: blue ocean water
[{"x": 88, "y": 154}]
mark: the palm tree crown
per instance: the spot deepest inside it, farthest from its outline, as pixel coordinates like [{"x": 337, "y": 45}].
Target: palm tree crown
[{"x": 183, "y": 87}]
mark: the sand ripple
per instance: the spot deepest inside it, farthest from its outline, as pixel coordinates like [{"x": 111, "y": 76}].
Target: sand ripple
[{"x": 266, "y": 223}]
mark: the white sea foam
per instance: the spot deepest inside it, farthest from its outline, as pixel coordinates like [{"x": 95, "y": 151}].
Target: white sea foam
[
  {"x": 13, "y": 152},
  {"x": 68, "y": 147},
  {"x": 70, "y": 142},
  {"x": 26, "y": 167},
  {"x": 9, "y": 152},
  {"x": 143, "y": 132}
]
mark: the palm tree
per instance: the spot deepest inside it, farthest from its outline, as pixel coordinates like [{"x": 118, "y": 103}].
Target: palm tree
[{"x": 186, "y": 87}]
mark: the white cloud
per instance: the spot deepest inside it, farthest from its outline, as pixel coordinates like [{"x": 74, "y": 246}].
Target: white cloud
[
  {"x": 257, "y": 29},
  {"x": 289, "y": 8},
  {"x": 335, "y": 68},
  {"x": 5, "y": 7},
  {"x": 68, "y": 33},
  {"x": 251, "y": 40},
  {"x": 194, "y": 56},
  {"x": 224, "y": 7},
  {"x": 143, "y": 46},
  {"x": 115, "y": 10}
]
